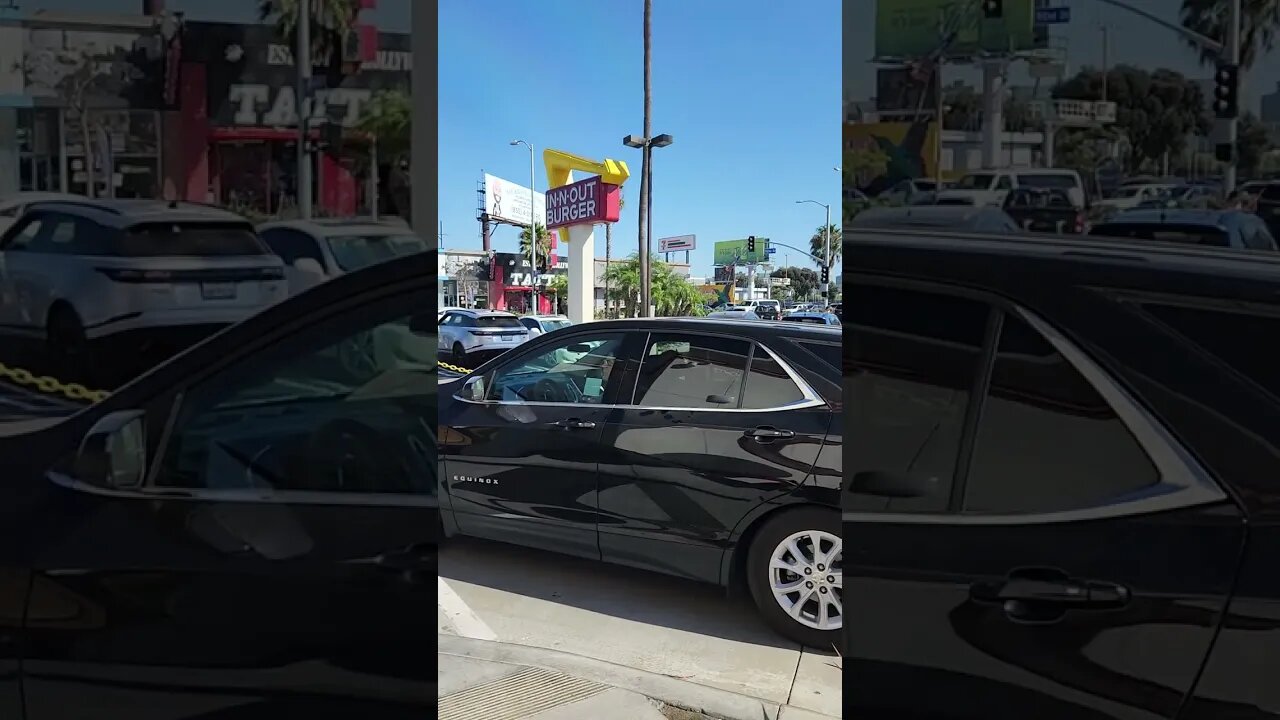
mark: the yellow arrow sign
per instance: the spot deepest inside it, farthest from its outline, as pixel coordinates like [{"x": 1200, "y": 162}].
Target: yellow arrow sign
[{"x": 560, "y": 167}]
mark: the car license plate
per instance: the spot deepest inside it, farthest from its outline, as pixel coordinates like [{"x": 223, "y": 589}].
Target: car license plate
[{"x": 218, "y": 291}]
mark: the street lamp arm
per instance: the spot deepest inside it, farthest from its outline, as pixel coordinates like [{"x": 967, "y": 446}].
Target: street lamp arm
[
  {"x": 793, "y": 247},
  {"x": 1201, "y": 40}
]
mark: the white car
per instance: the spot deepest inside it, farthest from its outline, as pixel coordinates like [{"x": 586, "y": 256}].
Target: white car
[
  {"x": 463, "y": 332},
  {"x": 541, "y": 324},
  {"x": 76, "y": 272},
  {"x": 734, "y": 312},
  {"x": 766, "y": 309},
  {"x": 989, "y": 187},
  {"x": 317, "y": 250},
  {"x": 1128, "y": 197},
  {"x": 12, "y": 206}
]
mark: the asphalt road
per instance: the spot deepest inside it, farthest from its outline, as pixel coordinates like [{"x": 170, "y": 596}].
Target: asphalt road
[{"x": 628, "y": 617}]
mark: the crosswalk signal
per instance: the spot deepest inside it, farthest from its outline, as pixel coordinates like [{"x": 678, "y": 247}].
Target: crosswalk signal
[
  {"x": 1226, "y": 91},
  {"x": 826, "y": 274},
  {"x": 751, "y": 244},
  {"x": 992, "y": 9}
]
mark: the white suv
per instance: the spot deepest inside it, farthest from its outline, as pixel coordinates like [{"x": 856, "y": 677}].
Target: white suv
[
  {"x": 990, "y": 187},
  {"x": 463, "y": 332},
  {"x": 76, "y": 272}
]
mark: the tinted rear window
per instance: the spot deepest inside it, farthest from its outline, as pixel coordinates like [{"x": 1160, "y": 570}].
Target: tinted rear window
[
  {"x": 498, "y": 321},
  {"x": 814, "y": 320},
  {"x": 1231, "y": 336},
  {"x": 1048, "y": 181},
  {"x": 190, "y": 239},
  {"x": 1166, "y": 232}
]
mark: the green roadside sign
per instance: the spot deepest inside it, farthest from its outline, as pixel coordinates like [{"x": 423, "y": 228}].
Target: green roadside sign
[
  {"x": 910, "y": 28},
  {"x": 734, "y": 252}
]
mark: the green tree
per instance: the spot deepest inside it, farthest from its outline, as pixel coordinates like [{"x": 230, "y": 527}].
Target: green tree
[
  {"x": 1253, "y": 141},
  {"x": 1260, "y": 22},
  {"x": 961, "y": 108},
  {"x": 331, "y": 21},
  {"x": 672, "y": 294},
  {"x": 544, "y": 247},
  {"x": 559, "y": 288},
  {"x": 388, "y": 118},
  {"x": 1155, "y": 110},
  {"x": 818, "y": 244},
  {"x": 623, "y": 282}
]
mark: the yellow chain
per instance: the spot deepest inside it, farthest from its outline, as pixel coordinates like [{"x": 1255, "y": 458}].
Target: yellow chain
[
  {"x": 51, "y": 385},
  {"x": 454, "y": 368}
]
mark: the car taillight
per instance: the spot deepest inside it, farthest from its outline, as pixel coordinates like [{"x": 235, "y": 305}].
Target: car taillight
[
  {"x": 1079, "y": 223},
  {"x": 273, "y": 273},
  {"x": 137, "y": 276}
]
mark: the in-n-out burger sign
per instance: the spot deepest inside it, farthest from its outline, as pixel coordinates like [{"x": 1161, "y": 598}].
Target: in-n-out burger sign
[
  {"x": 585, "y": 202},
  {"x": 254, "y": 106}
]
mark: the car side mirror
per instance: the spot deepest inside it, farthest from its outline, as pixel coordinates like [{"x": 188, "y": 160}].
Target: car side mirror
[
  {"x": 891, "y": 484},
  {"x": 113, "y": 453},
  {"x": 473, "y": 389},
  {"x": 719, "y": 400},
  {"x": 310, "y": 266}
]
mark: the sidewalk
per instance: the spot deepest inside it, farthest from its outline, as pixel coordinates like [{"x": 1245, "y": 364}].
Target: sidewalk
[{"x": 503, "y": 681}]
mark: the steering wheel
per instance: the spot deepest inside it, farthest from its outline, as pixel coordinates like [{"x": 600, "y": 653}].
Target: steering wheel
[
  {"x": 349, "y": 456},
  {"x": 548, "y": 390}
]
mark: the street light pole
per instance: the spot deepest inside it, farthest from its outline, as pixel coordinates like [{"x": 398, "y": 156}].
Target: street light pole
[
  {"x": 533, "y": 229},
  {"x": 646, "y": 146},
  {"x": 1233, "y": 124},
  {"x": 826, "y": 244},
  {"x": 302, "y": 59}
]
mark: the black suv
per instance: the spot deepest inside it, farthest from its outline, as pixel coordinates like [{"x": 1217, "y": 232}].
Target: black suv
[
  {"x": 1064, "y": 484},
  {"x": 700, "y": 448}
]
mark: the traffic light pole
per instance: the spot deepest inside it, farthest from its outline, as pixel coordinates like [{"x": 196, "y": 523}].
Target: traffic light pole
[
  {"x": 302, "y": 60},
  {"x": 1233, "y": 123}
]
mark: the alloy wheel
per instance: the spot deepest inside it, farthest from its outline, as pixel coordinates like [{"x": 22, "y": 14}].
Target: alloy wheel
[{"x": 806, "y": 577}]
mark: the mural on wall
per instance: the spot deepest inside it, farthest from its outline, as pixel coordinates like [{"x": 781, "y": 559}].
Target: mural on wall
[{"x": 908, "y": 150}]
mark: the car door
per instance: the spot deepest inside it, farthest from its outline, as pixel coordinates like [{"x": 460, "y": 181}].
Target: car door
[
  {"x": 1027, "y": 541},
  {"x": 521, "y": 441},
  {"x": 711, "y": 428},
  {"x": 246, "y": 532}
]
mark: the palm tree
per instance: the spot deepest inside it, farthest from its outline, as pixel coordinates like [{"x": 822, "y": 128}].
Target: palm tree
[
  {"x": 1260, "y": 23},
  {"x": 544, "y": 247},
  {"x": 330, "y": 22},
  {"x": 624, "y": 284},
  {"x": 818, "y": 244}
]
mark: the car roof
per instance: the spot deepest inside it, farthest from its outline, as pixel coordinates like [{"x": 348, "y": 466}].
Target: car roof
[
  {"x": 483, "y": 313},
  {"x": 24, "y": 197},
  {"x": 755, "y": 329},
  {"x": 331, "y": 227},
  {"x": 128, "y": 212}
]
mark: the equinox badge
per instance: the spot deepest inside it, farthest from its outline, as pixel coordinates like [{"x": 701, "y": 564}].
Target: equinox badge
[{"x": 469, "y": 479}]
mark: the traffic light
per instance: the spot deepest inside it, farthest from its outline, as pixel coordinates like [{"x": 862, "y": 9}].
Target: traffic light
[
  {"x": 1226, "y": 91},
  {"x": 992, "y": 9},
  {"x": 826, "y": 274},
  {"x": 751, "y": 244}
]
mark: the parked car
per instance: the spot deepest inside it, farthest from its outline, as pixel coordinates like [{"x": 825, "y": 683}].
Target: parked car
[
  {"x": 77, "y": 274},
  {"x": 977, "y": 218},
  {"x": 539, "y": 324},
  {"x": 317, "y": 250},
  {"x": 1128, "y": 380},
  {"x": 250, "y": 508},
  {"x": 910, "y": 191},
  {"x": 14, "y": 204},
  {"x": 765, "y": 309},
  {"x": 1211, "y": 228},
  {"x": 1051, "y": 211},
  {"x": 464, "y": 332},
  {"x": 813, "y": 317},
  {"x": 569, "y": 442},
  {"x": 990, "y": 187},
  {"x": 1128, "y": 197}
]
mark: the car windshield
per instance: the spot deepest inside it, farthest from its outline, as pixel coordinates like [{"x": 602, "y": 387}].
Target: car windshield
[
  {"x": 164, "y": 239},
  {"x": 1186, "y": 234},
  {"x": 976, "y": 181},
  {"x": 353, "y": 252},
  {"x": 1041, "y": 180}
]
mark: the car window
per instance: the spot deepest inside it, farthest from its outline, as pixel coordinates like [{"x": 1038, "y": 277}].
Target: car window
[
  {"x": 1046, "y": 440},
  {"x": 71, "y": 235},
  {"x": 24, "y": 232},
  {"x": 529, "y": 323},
  {"x": 684, "y": 370},
  {"x": 913, "y": 360},
  {"x": 977, "y": 181},
  {"x": 1038, "y": 180},
  {"x": 829, "y": 353},
  {"x": 352, "y": 252},
  {"x": 576, "y": 370},
  {"x": 1004, "y": 183},
  {"x": 496, "y": 321},
  {"x": 292, "y": 245},
  {"x": 1231, "y": 336},
  {"x": 10, "y": 211},
  {"x": 190, "y": 239},
  {"x": 355, "y": 391},
  {"x": 768, "y": 385}
]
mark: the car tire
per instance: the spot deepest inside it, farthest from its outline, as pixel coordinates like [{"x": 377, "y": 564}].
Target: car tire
[
  {"x": 780, "y": 537},
  {"x": 67, "y": 343},
  {"x": 459, "y": 353}
]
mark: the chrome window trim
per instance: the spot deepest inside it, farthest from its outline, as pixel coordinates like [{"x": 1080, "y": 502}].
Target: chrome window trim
[
  {"x": 1183, "y": 481},
  {"x": 238, "y": 495},
  {"x": 810, "y": 397}
]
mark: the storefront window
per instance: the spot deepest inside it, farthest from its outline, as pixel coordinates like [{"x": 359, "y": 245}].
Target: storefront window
[
  {"x": 39, "y": 149},
  {"x": 133, "y": 137}
]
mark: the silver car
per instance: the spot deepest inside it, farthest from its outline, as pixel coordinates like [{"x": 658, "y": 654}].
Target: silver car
[
  {"x": 541, "y": 324},
  {"x": 72, "y": 272},
  {"x": 464, "y": 332},
  {"x": 317, "y": 250}
]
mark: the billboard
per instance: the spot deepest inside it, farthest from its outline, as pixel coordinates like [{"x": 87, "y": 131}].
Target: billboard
[
  {"x": 734, "y": 252},
  {"x": 506, "y": 201},
  {"x": 907, "y": 149},
  {"x": 899, "y": 89},
  {"x": 677, "y": 243},
  {"x": 585, "y": 202},
  {"x": 910, "y": 28}
]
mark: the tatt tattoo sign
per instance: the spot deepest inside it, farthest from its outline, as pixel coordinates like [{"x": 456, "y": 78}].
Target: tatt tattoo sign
[{"x": 585, "y": 202}]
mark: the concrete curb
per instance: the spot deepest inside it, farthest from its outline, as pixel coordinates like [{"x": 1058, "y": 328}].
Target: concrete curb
[{"x": 673, "y": 691}]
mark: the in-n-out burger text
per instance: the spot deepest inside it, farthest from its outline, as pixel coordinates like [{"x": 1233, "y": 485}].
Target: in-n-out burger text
[{"x": 585, "y": 202}]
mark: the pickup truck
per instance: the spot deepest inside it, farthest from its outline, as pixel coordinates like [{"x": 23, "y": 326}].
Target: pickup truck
[{"x": 1044, "y": 210}]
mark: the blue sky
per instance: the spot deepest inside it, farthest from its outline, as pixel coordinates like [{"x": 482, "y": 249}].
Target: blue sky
[
  {"x": 749, "y": 90},
  {"x": 1134, "y": 41}
]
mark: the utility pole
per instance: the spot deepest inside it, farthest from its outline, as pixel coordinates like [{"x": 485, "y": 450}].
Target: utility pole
[
  {"x": 1233, "y": 124},
  {"x": 1106, "y": 43},
  {"x": 302, "y": 59}
]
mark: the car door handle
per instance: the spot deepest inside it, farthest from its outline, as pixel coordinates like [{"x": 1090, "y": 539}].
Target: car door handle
[
  {"x": 1045, "y": 594},
  {"x": 765, "y": 432},
  {"x": 575, "y": 424}
]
